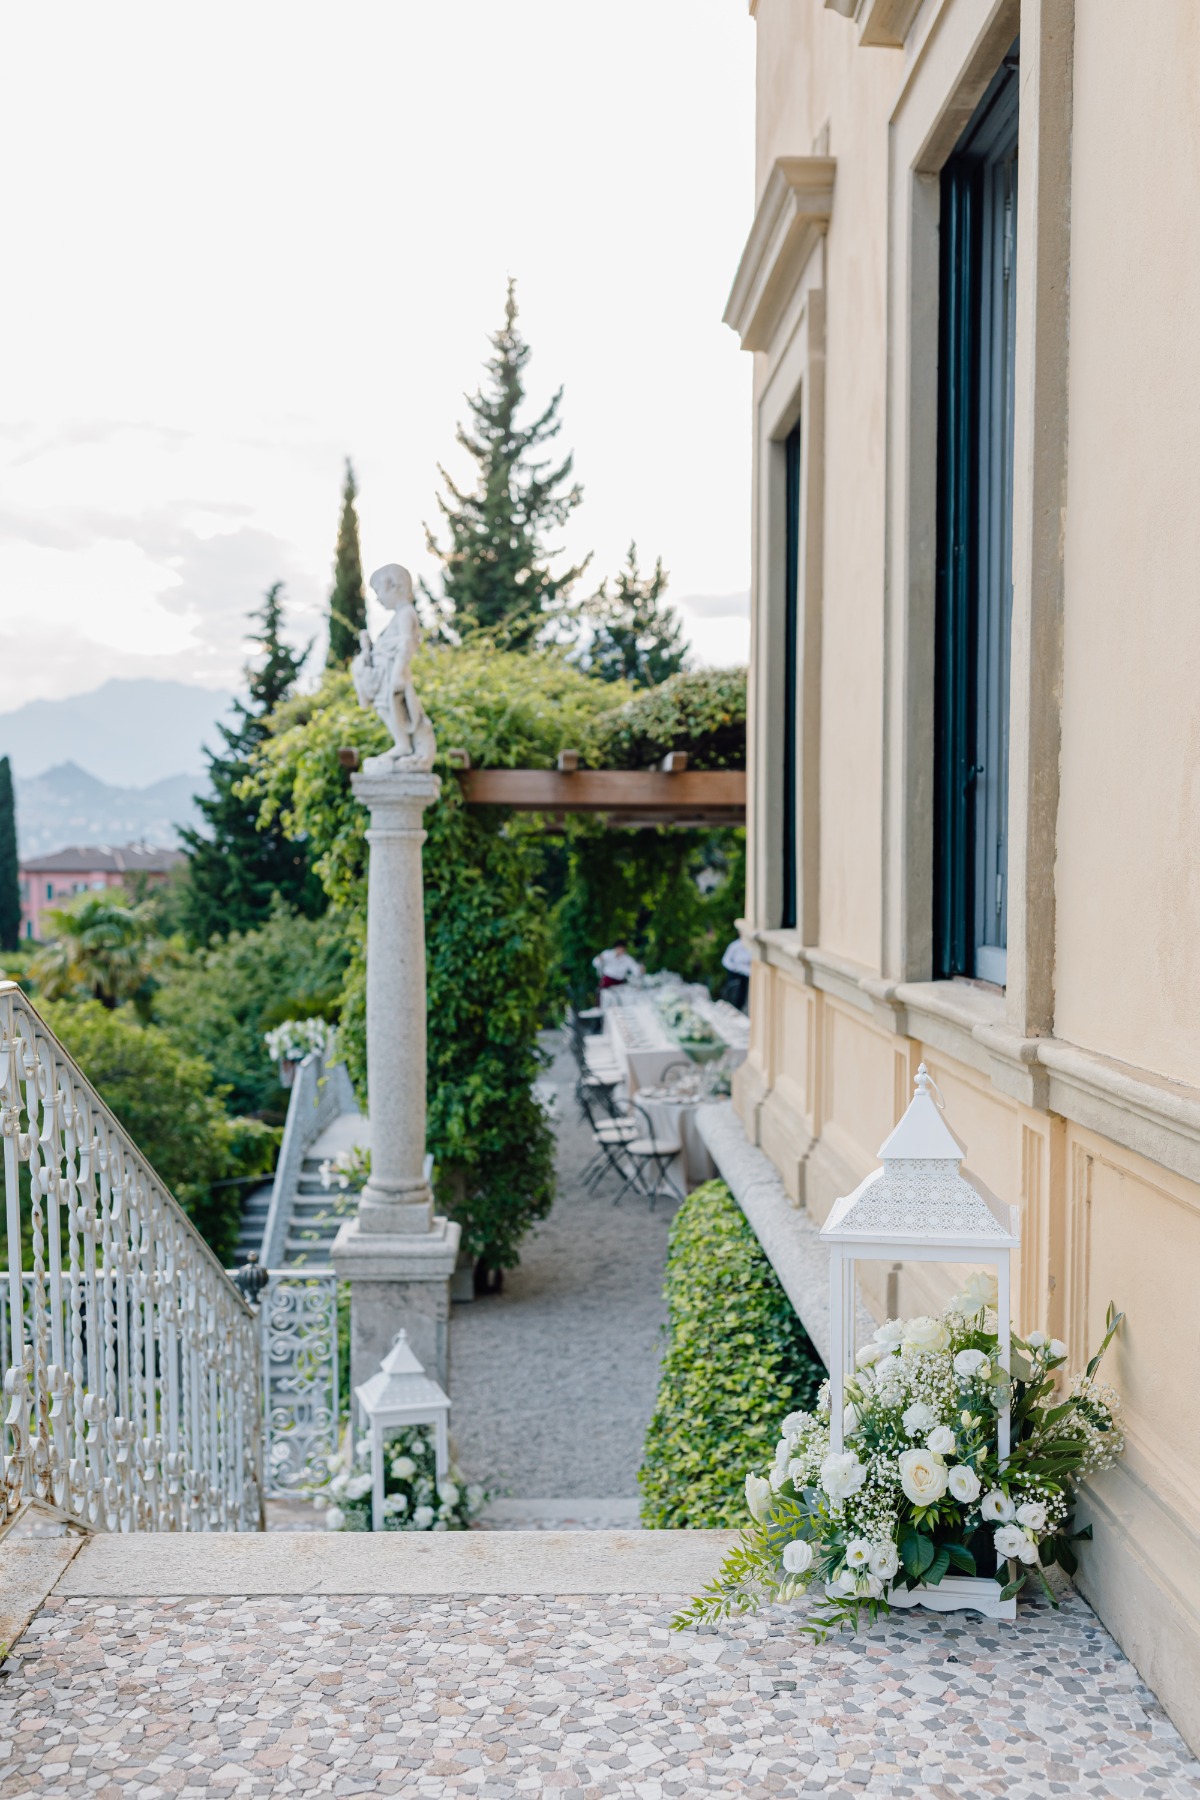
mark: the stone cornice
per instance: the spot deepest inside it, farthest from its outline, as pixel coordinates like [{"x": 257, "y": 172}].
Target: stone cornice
[
  {"x": 792, "y": 216},
  {"x": 1144, "y": 1112},
  {"x": 884, "y": 23}
]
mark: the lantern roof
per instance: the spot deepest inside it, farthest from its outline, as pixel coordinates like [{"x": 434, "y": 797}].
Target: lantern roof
[
  {"x": 400, "y": 1384},
  {"x": 920, "y": 1195}
]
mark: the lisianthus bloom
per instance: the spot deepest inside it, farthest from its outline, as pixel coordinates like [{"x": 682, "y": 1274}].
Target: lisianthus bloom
[
  {"x": 918, "y": 1417},
  {"x": 980, "y": 1291},
  {"x": 797, "y": 1556},
  {"x": 972, "y": 1365},
  {"x": 941, "y": 1441},
  {"x": 1033, "y": 1514},
  {"x": 963, "y": 1483},
  {"x": 758, "y": 1497},
  {"x": 924, "y": 1333},
  {"x": 858, "y": 1553},
  {"x": 885, "y": 1560},
  {"x": 1012, "y": 1543},
  {"x": 842, "y": 1474},
  {"x": 997, "y": 1505}
]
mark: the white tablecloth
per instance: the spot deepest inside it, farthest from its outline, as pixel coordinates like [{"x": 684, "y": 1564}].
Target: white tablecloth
[{"x": 677, "y": 1118}]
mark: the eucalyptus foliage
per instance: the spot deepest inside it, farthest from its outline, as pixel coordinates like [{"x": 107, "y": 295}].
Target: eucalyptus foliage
[{"x": 734, "y": 1344}]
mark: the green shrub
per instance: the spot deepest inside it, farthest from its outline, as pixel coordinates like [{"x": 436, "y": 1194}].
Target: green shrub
[
  {"x": 737, "y": 1360},
  {"x": 702, "y": 711}
]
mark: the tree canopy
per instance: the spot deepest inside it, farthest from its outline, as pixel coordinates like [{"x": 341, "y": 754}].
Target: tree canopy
[
  {"x": 635, "y": 638},
  {"x": 235, "y": 870},
  {"x": 497, "y": 574}
]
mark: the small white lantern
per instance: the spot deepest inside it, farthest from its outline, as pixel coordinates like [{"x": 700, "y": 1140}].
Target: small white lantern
[
  {"x": 400, "y": 1393},
  {"x": 920, "y": 1207}
]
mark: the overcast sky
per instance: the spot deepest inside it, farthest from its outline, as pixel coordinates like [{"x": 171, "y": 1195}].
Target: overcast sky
[{"x": 244, "y": 240}]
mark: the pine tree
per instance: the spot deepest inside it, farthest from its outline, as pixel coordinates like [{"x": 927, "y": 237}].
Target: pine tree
[
  {"x": 496, "y": 574},
  {"x": 348, "y": 601},
  {"x": 234, "y": 869},
  {"x": 635, "y": 638},
  {"x": 10, "y": 879}
]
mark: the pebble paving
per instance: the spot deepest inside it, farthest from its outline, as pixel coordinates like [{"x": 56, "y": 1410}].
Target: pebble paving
[{"x": 573, "y": 1697}]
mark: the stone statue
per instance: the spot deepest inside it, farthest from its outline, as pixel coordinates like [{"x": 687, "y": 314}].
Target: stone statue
[{"x": 382, "y": 674}]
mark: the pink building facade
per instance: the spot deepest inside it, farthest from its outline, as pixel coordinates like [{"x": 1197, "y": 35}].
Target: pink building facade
[{"x": 48, "y": 882}]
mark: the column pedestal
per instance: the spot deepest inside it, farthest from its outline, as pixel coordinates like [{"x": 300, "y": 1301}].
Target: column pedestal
[{"x": 396, "y": 1256}]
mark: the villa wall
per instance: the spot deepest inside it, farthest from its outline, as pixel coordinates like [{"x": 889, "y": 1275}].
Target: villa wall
[{"x": 1077, "y": 1086}]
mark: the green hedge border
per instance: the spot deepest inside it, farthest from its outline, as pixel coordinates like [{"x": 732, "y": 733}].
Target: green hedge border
[{"x": 737, "y": 1360}]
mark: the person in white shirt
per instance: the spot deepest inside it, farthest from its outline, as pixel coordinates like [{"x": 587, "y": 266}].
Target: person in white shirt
[
  {"x": 615, "y": 967},
  {"x": 737, "y": 960}
]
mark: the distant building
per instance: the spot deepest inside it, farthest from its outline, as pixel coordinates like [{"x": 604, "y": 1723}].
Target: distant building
[{"x": 53, "y": 880}]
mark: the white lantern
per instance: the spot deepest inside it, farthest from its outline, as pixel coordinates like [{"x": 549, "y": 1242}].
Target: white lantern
[
  {"x": 920, "y": 1207},
  {"x": 400, "y": 1393}
]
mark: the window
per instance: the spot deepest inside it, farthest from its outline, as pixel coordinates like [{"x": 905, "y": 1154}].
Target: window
[
  {"x": 974, "y": 576},
  {"x": 791, "y": 652},
  {"x": 49, "y": 890}
]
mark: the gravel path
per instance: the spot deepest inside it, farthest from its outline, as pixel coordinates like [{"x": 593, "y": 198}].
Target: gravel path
[{"x": 553, "y": 1381}]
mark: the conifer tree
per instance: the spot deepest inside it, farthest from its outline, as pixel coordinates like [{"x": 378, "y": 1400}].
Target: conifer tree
[
  {"x": 635, "y": 638},
  {"x": 348, "y": 601},
  {"x": 234, "y": 869},
  {"x": 10, "y": 879},
  {"x": 496, "y": 566}
]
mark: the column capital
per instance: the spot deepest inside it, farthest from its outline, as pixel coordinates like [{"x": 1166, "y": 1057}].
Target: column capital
[{"x": 380, "y": 789}]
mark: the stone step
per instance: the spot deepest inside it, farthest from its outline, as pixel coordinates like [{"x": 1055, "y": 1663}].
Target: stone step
[{"x": 152, "y": 1564}]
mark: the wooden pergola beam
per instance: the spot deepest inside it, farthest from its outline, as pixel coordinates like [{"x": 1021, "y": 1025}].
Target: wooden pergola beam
[{"x": 632, "y": 796}]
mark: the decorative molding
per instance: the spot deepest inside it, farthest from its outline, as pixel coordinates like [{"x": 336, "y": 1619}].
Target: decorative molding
[
  {"x": 793, "y": 215},
  {"x": 1157, "y": 1118},
  {"x": 883, "y": 24}
]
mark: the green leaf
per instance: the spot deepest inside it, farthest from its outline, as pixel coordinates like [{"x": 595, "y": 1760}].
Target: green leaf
[
  {"x": 961, "y": 1558},
  {"x": 916, "y": 1552},
  {"x": 937, "y": 1567},
  {"x": 1013, "y": 1588},
  {"x": 1067, "y": 1558}
]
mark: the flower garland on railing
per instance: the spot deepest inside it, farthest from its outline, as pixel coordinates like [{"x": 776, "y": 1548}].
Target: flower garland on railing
[
  {"x": 297, "y": 1038},
  {"x": 918, "y": 1491}
]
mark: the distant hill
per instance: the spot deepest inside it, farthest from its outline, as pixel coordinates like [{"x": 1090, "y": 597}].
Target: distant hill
[
  {"x": 125, "y": 732},
  {"x": 66, "y": 805}
]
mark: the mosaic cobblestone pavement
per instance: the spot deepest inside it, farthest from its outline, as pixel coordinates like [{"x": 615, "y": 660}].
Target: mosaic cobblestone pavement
[{"x": 572, "y": 1697}]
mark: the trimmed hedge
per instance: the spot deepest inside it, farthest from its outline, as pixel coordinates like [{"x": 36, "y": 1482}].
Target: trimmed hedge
[{"x": 737, "y": 1360}]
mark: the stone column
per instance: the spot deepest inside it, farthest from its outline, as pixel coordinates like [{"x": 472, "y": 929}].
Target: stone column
[{"x": 396, "y": 1255}]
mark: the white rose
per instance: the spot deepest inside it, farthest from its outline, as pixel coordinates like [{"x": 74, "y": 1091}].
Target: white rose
[
  {"x": 1033, "y": 1514},
  {"x": 339, "y": 1483},
  {"x": 1057, "y": 1349},
  {"x": 797, "y": 1556},
  {"x": 890, "y": 1334},
  {"x": 448, "y": 1493},
  {"x": 362, "y": 1447},
  {"x": 795, "y": 1424},
  {"x": 869, "y": 1354},
  {"x": 972, "y": 1365},
  {"x": 393, "y": 1504},
  {"x": 885, "y": 1560},
  {"x": 922, "y": 1476},
  {"x": 997, "y": 1505},
  {"x": 1010, "y": 1541},
  {"x": 423, "y": 1518},
  {"x": 918, "y": 1417},
  {"x": 1036, "y": 1339},
  {"x": 758, "y": 1497},
  {"x": 941, "y": 1441},
  {"x": 926, "y": 1334},
  {"x": 842, "y": 1474},
  {"x": 335, "y": 1518},
  {"x": 358, "y": 1486},
  {"x": 963, "y": 1483},
  {"x": 404, "y": 1468}
]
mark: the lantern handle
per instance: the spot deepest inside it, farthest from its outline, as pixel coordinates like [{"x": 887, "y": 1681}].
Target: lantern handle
[{"x": 925, "y": 1084}]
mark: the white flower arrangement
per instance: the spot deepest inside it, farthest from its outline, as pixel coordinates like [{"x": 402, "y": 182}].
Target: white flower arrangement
[
  {"x": 918, "y": 1490},
  {"x": 413, "y": 1498},
  {"x": 297, "y": 1038}
]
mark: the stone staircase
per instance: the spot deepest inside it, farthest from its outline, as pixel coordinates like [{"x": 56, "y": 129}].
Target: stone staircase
[
  {"x": 291, "y": 1221},
  {"x": 252, "y": 1222},
  {"x": 318, "y": 1212}
]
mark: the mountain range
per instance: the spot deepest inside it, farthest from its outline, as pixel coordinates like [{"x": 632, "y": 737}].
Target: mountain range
[
  {"x": 66, "y": 805},
  {"x": 126, "y": 732}
]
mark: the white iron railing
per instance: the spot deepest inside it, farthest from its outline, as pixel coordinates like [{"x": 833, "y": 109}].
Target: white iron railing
[{"x": 133, "y": 1383}]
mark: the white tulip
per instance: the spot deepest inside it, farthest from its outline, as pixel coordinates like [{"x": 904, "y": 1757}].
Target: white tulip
[{"x": 758, "y": 1497}]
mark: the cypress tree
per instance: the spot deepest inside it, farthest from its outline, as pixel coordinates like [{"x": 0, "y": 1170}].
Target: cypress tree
[
  {"x": 496, "y": 574},
  {"x": 634, "y": 637},
  {"x": 348, "y": 601},
  {"x": 234, "y": 869},
  {"x": 10, "y": 878}
]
